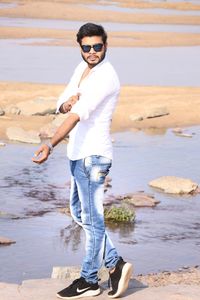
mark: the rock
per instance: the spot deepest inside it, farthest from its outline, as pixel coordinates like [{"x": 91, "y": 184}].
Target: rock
[
  {"x": 2, "y": 144},
  {"x": 38, "y": 106},
  {"x": 156, "y": 112},
  {"x": 73, "y": 272},
  {"x": 65, "y": 210},
  {"x": 184, "y": 135},
  {"x": 59, "y": 119},
  {"x": 5, "y": 241},
  {"x": 174, "y": 185},
  {"x": 20, "y": 135},
  {"x": 2, "y": 112},
  {"x": 177, "y": 130},
  {"x": 14, "y": 110},
  {"x": 110, "y": 200},
  {"x": 135, "y": 117},
  {"x": 140, "y": 200},
  {"x": 47, "y": 131}
]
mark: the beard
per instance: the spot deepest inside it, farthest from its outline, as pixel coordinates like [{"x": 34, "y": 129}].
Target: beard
[{"x": 92, "y": 65}]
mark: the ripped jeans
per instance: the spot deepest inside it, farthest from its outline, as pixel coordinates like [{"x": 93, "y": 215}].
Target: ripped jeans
[{"x": 86, "y": 205}]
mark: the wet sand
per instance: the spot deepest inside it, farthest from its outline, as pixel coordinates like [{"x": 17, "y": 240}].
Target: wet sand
[{"x": 182, "y": 103}]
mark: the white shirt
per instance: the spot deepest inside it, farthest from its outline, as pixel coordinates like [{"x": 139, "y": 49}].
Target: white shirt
[{"x": 99, "y": 92}]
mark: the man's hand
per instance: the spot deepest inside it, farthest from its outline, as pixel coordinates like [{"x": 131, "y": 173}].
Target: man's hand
[
  {"x": 43, "y": 152},
  {"x": 67, "y": 106},
  {"x": 41, "y": 155}
]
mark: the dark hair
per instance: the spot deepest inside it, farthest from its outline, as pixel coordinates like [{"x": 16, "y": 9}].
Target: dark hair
[{"x": 91, "y": 29}]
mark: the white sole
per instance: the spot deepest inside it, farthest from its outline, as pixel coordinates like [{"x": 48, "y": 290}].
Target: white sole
[
  {"x": 86, "y": 294},
  {"x": 124, "y": 281}
]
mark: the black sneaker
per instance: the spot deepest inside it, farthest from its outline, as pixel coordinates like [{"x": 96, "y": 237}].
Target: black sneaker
[
  {"x": 120, "y": 278},
  {"x": 79, "y": 288}
]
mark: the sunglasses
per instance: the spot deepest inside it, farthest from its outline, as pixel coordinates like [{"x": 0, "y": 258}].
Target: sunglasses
[{"x": 96, "y": 47}]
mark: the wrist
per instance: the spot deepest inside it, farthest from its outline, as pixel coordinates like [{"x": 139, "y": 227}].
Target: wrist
[{"x": 50, "y": 146}]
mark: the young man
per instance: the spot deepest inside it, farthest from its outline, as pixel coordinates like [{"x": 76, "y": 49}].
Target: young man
[{"x": 89, "y": 101}]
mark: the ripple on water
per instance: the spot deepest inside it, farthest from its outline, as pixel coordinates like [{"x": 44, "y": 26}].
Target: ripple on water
[{"x": 162, "y": 238}]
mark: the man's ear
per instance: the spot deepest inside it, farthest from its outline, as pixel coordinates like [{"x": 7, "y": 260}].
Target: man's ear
[{"x": 106, "y": 45}]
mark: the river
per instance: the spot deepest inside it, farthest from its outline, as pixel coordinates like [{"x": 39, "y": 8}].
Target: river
[{"x": 162, "y": 238}]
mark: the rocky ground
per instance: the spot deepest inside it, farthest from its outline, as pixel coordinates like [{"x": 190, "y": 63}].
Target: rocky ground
[
  {"x": 138, "y": 108},
  {"x": 182, "y": 285}
]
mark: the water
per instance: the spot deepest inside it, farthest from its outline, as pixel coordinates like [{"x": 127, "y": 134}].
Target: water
[
  {"x": 167, "y": 66},
  {"x": 163, "y": 238},
  {"x": 178, "y": 1},
  {"x": 75, "y": 25},
  {"x": 159, "y": 11},
  {"x": 7, "y": 5}
]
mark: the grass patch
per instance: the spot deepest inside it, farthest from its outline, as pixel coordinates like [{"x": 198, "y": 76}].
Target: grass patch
[{"x": 119, "y": 214}]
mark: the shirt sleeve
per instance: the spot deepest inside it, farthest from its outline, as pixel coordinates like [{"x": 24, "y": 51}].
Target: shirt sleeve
[
  {"x": 70, "y": 90},
  {"x": 100, "y": 89}
]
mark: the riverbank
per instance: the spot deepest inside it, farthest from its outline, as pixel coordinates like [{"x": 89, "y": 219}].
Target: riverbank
[
  {"x": 138, "y": 289},
  {"x": 157, "y": 239},
  {"x": 142, "y": 13},
  {"x": 139, "y": 107}
]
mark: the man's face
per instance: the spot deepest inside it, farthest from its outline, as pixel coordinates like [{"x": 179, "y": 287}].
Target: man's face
[{"x": 94, "y": 54}]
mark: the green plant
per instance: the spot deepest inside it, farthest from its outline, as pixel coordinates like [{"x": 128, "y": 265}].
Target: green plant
[{"x": 119, "y": 214}]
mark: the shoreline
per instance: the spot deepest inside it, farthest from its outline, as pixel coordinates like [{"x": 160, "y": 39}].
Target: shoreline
[
  {"x": 139, "y": 107},
  {"x": 189, "y": 275}
]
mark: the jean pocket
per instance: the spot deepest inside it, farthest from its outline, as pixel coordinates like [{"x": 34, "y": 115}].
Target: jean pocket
[{"x": 97, "y": 168}]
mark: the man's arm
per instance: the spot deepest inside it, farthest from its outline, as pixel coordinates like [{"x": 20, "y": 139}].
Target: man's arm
[
  {"x": 65, "y": 128},
  {"x": 66, "y": 106}
]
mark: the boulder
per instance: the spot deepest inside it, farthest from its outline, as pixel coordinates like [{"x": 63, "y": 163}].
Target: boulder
[
  {"x": 5, "y": 241},
  {"x": 174, "y": 185},
  {"x": 156, "y": 112},
  {"x": 20, "y": 135},
  {"x": 2, "y": 144},
  {"x": 139, "y": 200},
  {"x": 38, "y": 106}
]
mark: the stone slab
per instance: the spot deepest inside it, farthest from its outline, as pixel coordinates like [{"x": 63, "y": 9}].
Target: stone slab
[{"x": 42, "y": 289}]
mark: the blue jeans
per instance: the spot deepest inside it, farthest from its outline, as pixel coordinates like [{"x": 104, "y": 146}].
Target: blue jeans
[{"x": 86, "y": 205}]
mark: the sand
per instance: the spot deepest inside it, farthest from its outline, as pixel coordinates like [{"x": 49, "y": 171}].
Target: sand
[
  {"x": 136, "y": 102},
  {"x": 181, "y": 103},
  {"x": 80, "y": 11}
]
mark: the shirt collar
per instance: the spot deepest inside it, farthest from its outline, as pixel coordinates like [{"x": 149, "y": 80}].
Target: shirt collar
[{"x": 99, "y": 65}]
